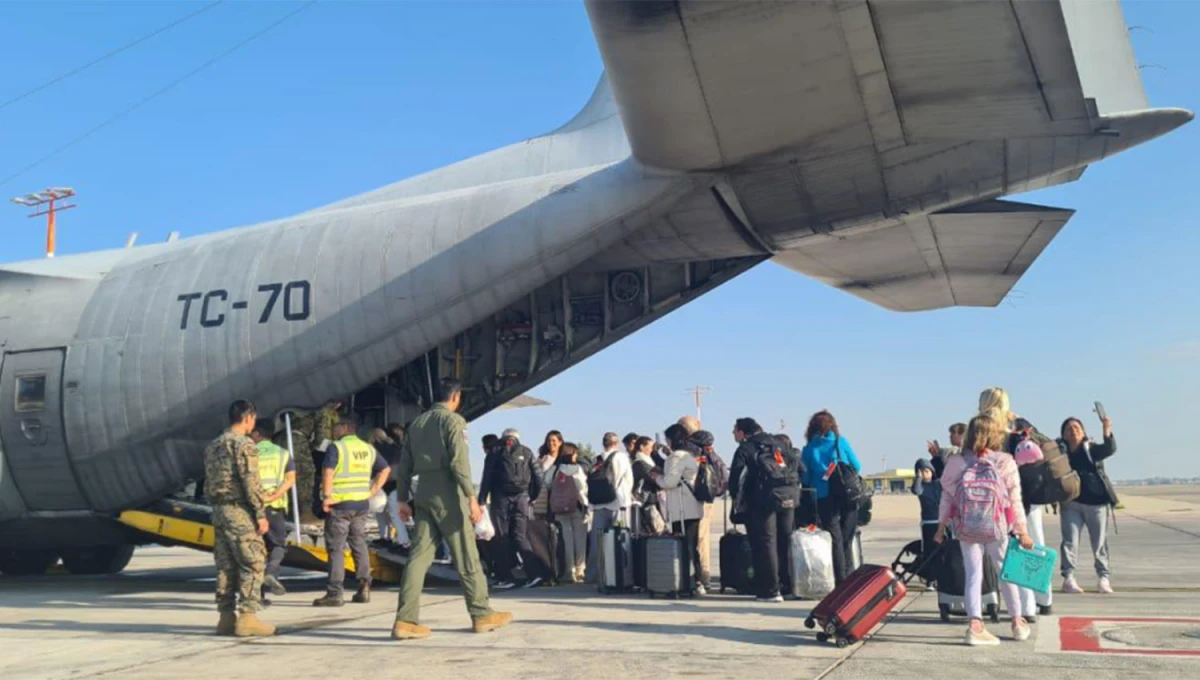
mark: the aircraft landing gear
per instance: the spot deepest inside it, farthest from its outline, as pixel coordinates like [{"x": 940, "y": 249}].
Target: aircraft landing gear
[
  {"x": 26, "y": 562},
  {"x": 98, "y": 560}
]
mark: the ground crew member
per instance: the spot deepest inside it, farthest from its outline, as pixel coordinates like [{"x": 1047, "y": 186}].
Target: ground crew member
[
  {"x": 444, "y": 506},
  {"x": 352, "y": 472},
  {"x": 277, "y": 472},
  {"x": 239, "y": 522}
]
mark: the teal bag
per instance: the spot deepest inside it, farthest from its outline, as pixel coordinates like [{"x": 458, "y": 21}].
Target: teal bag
[{"x": 1033, "y": 568}]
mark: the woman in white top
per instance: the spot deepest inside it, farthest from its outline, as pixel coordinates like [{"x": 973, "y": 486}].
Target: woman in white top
[{"x": 682, "y": 510}]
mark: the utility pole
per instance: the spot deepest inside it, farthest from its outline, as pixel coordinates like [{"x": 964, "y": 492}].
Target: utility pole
[
  {"x": 698, "y": 392},
  {"x": 48, "y": 198}
]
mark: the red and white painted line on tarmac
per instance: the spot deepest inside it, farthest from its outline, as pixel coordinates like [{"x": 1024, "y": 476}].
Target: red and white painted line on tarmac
[{"x": 1103, "y": 635}]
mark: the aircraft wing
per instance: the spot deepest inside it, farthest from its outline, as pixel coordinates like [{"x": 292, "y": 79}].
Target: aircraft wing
[
  {"x": 522, "y": 401},
  {"x": 970, "y": 256},
  {"x": 704, "y": 84}
]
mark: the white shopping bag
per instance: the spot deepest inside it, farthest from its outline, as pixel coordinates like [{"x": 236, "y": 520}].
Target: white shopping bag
[
  {"x": 378, "y": 503},
  {"x": 484, "y": 530},
  {"x": 812, "y": 563}
]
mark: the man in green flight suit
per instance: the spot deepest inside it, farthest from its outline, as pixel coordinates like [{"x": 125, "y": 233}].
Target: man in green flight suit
[{"x": 443, "y": 506}]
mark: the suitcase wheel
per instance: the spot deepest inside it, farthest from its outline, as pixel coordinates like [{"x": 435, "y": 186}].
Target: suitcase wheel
[
  {"x": 842, "y": 642},
  {"x": 944, "y": 610},
  {"x": 993, "y": 613},
  {"x": 830, "y": 629},
  {"x": 811, "y": 623},
  {"x": 821, "y": 637}
]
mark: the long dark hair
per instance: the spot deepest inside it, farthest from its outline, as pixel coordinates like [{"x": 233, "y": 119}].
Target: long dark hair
[
  {"x": 820, "y": 424},
  {"x": 544, "y": 449}
]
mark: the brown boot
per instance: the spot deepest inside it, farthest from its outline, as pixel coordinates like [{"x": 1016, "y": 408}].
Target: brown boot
[
  {"x": 227, "y": 624},
  {"x": 404, "y": 630},
  {"x": 363, "y": 595},
  {"x": 248, "y": 625},
  {"x": 486, "y": 624}
]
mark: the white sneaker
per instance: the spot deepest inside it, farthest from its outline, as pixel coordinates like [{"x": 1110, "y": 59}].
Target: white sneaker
[
  {"x": 1104, "y": 586},
  {"x": 701, "y": 590},
  {"x": 504, "y": 585},
  {"x": 980, "y": 639},
  {"x": 1070, "y": 585},
  {"x": 1021, "y": 631},
  {"x": 772, "y": 599},
  {"x": 533, "y": 582}
]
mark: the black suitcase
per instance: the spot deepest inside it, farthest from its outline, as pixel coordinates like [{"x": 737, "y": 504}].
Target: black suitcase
[
  {"x": 545, "y": 540},
  {"x": 737, "y": 558},
  {"x": 952, "y": 581}
]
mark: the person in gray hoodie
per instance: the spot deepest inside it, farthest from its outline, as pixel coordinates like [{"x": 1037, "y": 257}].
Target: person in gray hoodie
[{"x": 929, "y": 491}]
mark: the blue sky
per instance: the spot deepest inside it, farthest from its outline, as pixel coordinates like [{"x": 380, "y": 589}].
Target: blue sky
[{"x": 348, "y": 96}]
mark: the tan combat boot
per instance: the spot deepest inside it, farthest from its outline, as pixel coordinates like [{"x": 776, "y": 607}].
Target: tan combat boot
[
  {"x": 227, "y": 624},
  {"x": 486, "y": 624},
  {"x": 248, "y": 625},
  {"x": 404, "y": 630}
]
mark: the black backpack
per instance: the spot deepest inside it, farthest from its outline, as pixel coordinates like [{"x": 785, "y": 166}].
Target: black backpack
[
  {"x": 777, "y": 469},
  {"x": 845, "y": 486},
  {"x": 515, "y": 466},
  {"x": 602, "y": 483},
  {"x": 711, "y": 478}
]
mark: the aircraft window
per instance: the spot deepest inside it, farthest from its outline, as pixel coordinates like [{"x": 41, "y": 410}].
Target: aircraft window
[{"x": 31, "y": 393}]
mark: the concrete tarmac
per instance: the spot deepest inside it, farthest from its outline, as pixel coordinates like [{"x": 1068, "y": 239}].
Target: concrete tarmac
[{"x": 157, "y": 619}]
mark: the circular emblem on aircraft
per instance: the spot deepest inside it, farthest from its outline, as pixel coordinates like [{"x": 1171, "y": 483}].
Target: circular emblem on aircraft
[{"x": 626, "y": 286}]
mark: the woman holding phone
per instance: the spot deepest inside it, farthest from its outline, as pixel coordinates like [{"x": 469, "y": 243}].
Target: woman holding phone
[{"x": 1096, "y": 498}]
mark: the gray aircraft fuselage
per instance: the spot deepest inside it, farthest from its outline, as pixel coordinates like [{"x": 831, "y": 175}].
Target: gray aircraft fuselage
[{"x": 501, "y": 270}]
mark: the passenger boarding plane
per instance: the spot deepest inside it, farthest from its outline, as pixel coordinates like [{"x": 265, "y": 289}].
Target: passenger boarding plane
[{"x": 863, "y": 143}]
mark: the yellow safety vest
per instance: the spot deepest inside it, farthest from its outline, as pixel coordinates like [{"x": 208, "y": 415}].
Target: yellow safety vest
[
  {"x": 272, "y": 468},
  {"x": 352, "y": 478}
]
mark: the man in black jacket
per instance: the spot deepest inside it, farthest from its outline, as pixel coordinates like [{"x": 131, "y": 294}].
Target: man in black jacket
[
  {"x": 510, "y": 480},
  {"x": 768, "y": 501},
  {"x": 1091, "y": 509}
]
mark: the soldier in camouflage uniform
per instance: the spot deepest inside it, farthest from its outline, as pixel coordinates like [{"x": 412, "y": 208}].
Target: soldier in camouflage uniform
[
  {"x": 303, "y": 425},
  {"x": 239, "y": 521},
  {"x": 322, "y": 436}
]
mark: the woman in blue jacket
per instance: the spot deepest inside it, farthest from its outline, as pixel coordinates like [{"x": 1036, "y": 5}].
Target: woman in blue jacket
[{"x": 826, "y": 447}]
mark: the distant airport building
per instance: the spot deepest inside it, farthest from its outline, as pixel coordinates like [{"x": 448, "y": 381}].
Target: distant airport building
[{"x": 890, "y": 481}]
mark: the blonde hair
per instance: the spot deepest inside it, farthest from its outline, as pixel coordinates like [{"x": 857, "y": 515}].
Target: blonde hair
[
  {"x": 994, "y": 401},
  {"x": 984, "y": 433}
]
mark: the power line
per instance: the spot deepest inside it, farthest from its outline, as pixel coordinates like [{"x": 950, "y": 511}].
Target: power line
[
  {"x": 108, "y": 55},
  {"x": 163, "y": 90}
]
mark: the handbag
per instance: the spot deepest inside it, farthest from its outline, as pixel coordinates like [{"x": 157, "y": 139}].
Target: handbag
[{"x": 845, "y": 485}]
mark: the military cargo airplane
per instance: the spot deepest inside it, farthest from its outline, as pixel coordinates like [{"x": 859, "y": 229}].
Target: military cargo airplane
[{"x": 861, "y": 142}]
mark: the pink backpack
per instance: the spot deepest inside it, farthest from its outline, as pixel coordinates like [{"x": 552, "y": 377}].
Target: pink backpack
[{"x": 980, "y": 512}]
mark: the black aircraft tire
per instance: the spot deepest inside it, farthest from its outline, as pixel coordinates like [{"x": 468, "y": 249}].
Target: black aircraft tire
[
  {"x": 99, "y": 560},
  {"x": 27, "y": 562}
]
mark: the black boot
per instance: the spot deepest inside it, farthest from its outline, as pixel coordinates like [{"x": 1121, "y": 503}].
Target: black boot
[
  {"x": 330, "y": 600},
  {"x": 363, "y": 595}
]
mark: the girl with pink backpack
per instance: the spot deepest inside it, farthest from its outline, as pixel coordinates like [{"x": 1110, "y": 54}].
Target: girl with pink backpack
[{"x": 981, "y": 503}]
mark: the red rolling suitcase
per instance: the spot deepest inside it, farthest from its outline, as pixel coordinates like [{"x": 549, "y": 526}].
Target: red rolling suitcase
[{"x": 849, "y": 613}]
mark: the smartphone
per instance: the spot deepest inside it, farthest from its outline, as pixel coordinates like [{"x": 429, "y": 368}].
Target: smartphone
[{"x": 1101, "y": 412}]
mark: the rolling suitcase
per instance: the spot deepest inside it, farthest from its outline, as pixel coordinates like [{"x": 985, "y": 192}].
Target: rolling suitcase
[
  {"x": 615, "y": 560},
  {"x": 952, "y": 582},
  {"x": 851, "y": 611},
  {"x": 668, "y": 563},
  {"x": 737, "y": 558}
]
